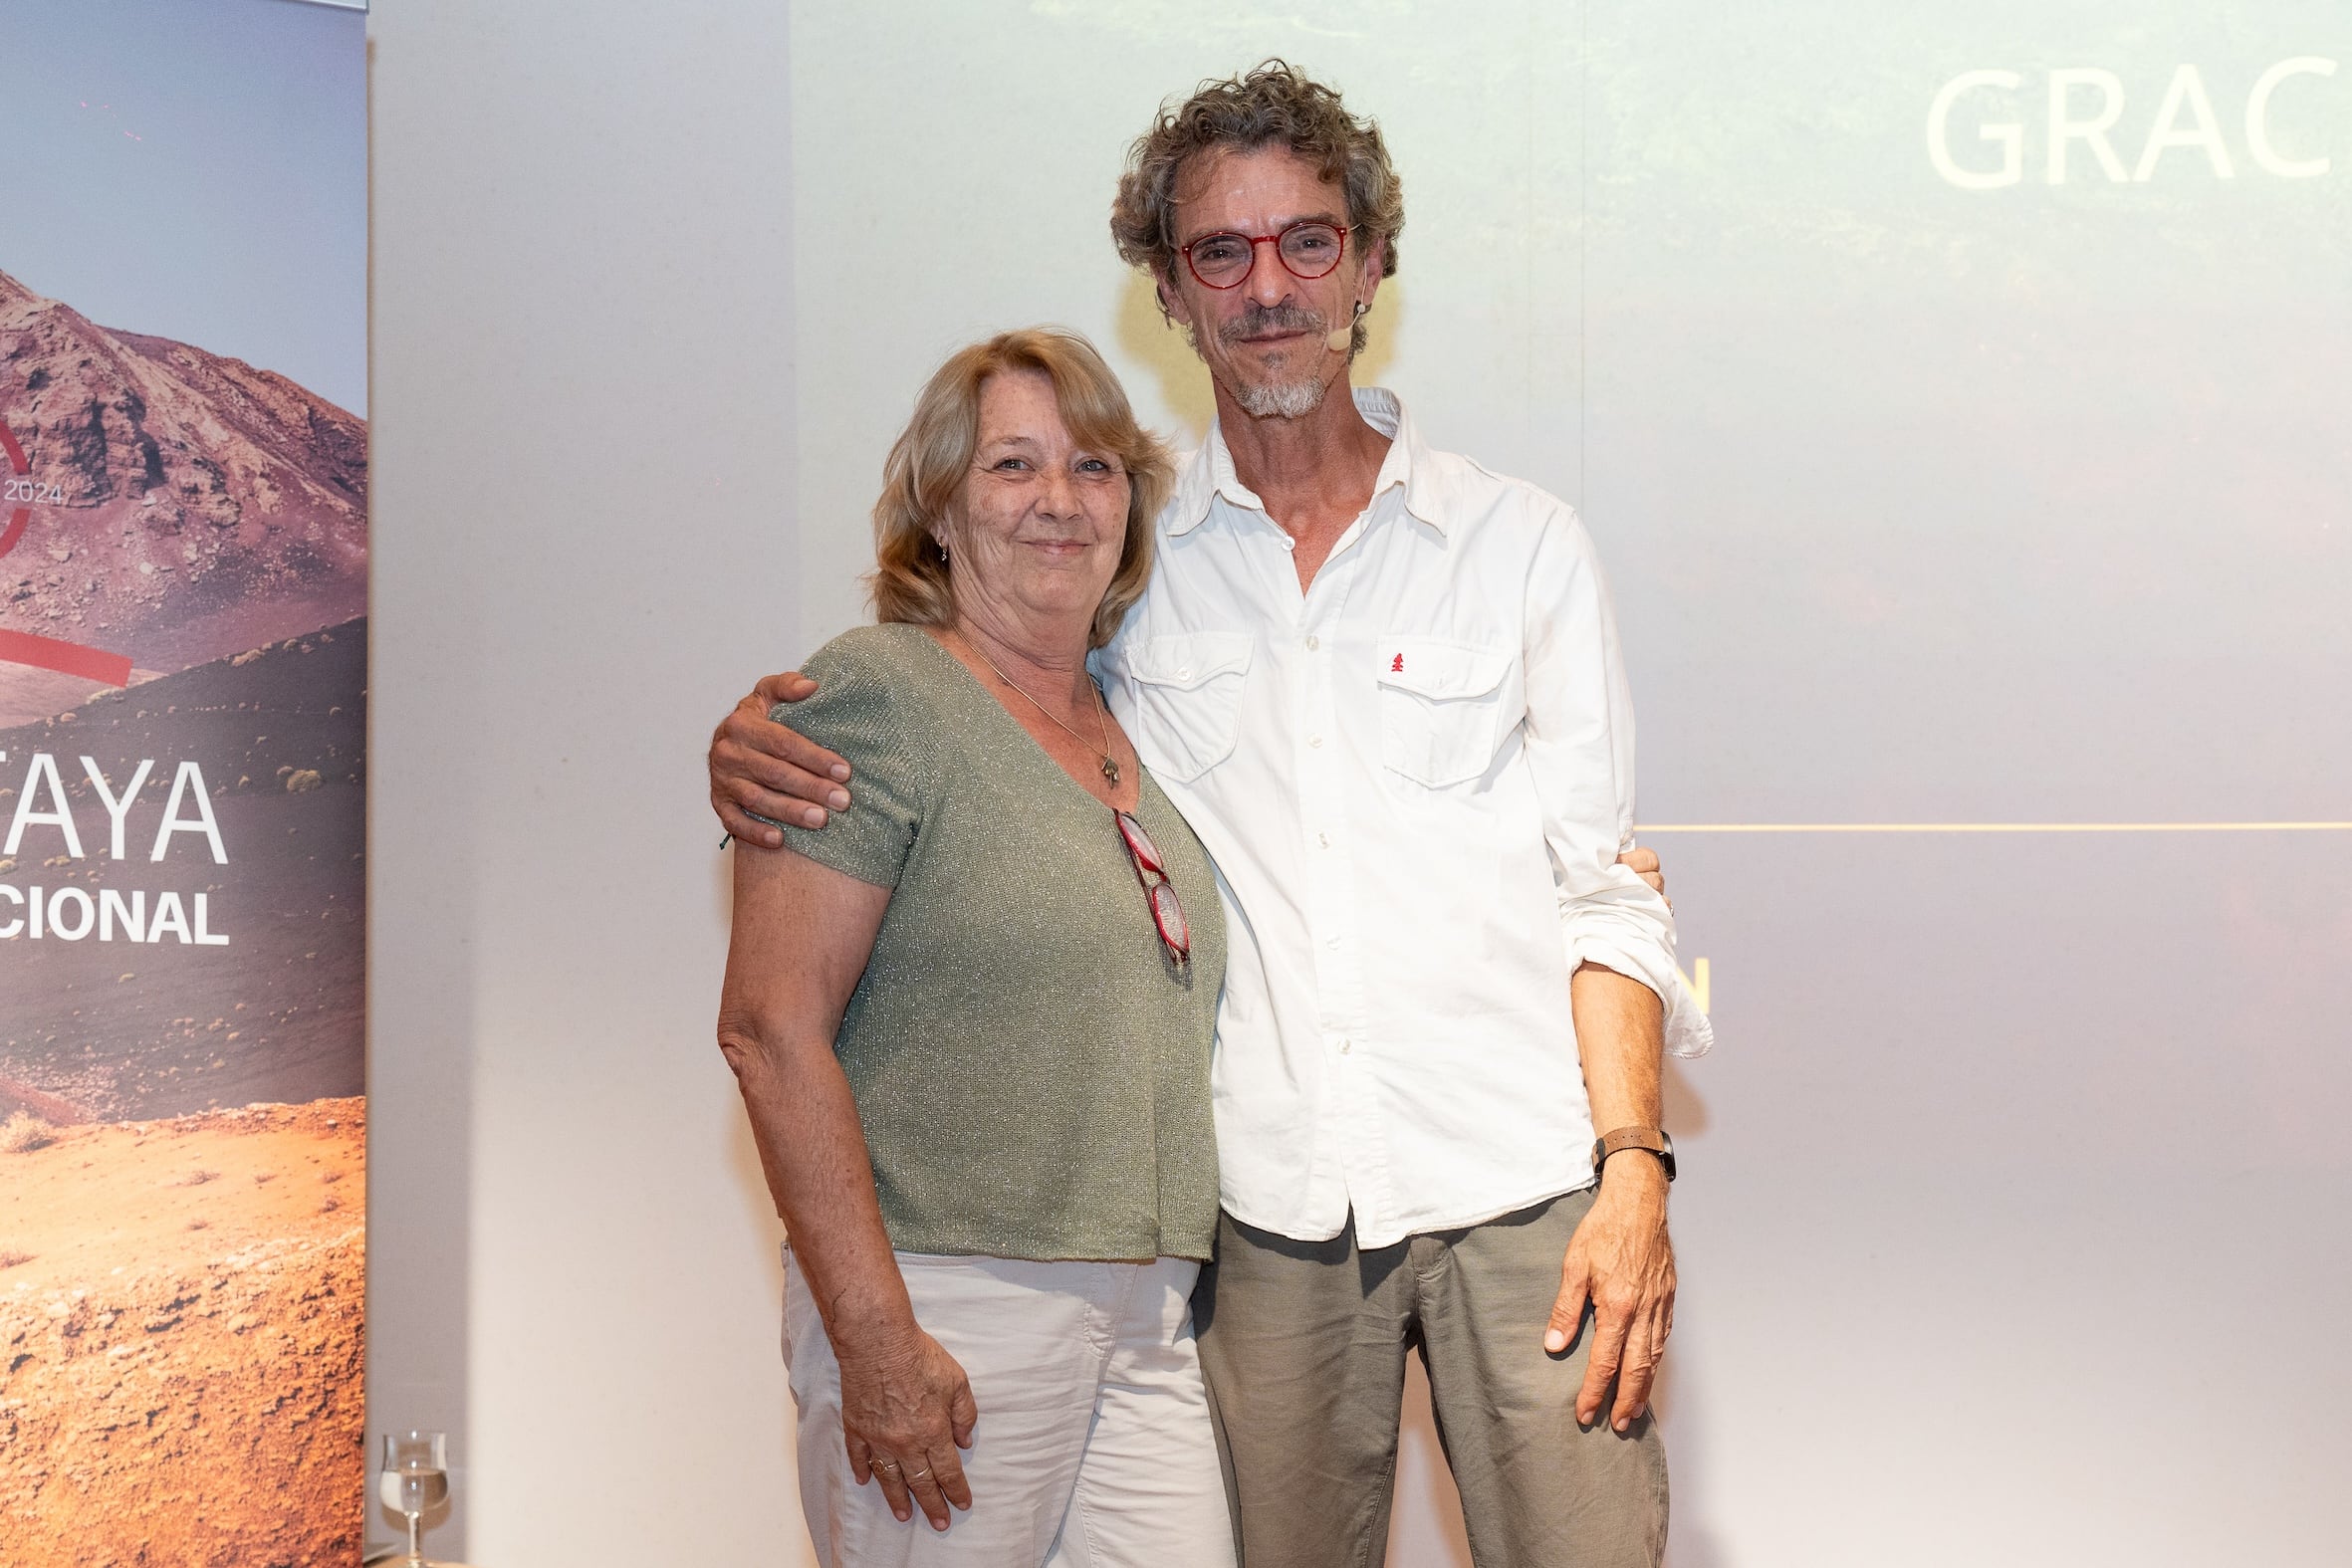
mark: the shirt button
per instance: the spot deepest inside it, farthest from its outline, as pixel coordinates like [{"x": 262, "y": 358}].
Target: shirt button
[
  {"x": 1311, "y": 644},
  {"x": 1331, "y": 942},
  {"x": 1314, "y": 740},
  {"x": 1345, "y": 1046},
  {"x": 1322, "y": 840}
]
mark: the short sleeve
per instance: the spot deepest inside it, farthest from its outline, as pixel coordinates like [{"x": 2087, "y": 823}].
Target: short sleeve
[{"x": 861, "y": 709}]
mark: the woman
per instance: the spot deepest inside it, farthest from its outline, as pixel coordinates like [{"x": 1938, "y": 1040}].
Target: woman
[{"x": 971, "y": 1018}]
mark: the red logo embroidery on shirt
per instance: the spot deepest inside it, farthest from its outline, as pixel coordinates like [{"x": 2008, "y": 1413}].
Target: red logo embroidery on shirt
[{"x": 1397, "y": 666}]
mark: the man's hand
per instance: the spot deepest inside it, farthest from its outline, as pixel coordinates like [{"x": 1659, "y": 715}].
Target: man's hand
[
  {"x": 1646, "y": 865},
  {"x": 759, "y": 766},
  {"x": 906, "y": 1408},
  {"x": 1622, "y": 1261}
]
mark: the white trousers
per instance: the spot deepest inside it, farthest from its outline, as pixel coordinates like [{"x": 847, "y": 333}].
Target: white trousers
[{"x": 1093, "y": 1448}]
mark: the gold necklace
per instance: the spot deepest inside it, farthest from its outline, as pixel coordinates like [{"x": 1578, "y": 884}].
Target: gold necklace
[{"x": 1110, "y": 770}]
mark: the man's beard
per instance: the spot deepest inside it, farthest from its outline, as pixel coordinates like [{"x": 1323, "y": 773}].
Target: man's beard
[
  {"x": 1281, "y": 399},
  {"x": 1292, "y": 399}
]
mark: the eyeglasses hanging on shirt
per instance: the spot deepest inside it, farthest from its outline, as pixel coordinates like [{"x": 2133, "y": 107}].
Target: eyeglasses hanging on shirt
[{"x": 1167, "y": 915}]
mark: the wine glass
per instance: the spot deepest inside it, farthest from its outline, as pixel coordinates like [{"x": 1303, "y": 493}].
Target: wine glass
[{"x": 416, "y": 1478}]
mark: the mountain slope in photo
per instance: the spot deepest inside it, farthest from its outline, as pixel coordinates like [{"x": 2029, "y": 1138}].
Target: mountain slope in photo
[{"x": 183, "y": 505}]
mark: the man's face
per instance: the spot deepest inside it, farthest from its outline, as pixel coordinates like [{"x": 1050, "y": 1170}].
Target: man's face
[{"x": 1264, "y": 339}]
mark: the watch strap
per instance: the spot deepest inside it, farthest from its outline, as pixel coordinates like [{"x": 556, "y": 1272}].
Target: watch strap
[{"x": 1618, "y": 1140}]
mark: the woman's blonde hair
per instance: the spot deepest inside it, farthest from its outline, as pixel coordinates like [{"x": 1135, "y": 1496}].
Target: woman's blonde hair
[{"x": 933, "y": 455}]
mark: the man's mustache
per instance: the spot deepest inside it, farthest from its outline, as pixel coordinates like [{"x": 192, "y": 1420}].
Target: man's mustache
[{"x": 1261, "y": 321}]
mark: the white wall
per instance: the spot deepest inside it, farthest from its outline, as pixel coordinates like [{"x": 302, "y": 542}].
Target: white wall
[
  {"x": 1920, "y": 503},
  {"x": 583, "y": 458}
]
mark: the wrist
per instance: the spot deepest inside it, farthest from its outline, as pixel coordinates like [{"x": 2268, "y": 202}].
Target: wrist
[
  {"x": 874, "y": 1325},
  {"x": 876, "y": 1346},
  {"x": 1633, "y": 1170}
]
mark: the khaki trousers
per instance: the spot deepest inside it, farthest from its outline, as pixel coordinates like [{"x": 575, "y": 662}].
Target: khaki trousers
[{"x": 1304, "y": 1344}]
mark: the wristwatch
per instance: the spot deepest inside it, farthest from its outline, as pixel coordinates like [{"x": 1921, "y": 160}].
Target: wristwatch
[{"x": 1650, "y": 1138}]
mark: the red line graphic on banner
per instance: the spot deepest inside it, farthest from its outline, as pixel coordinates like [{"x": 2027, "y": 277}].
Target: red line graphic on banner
[
  {"x": 48, "y": 653},
  {"x": 22, "y": 515},
  {"x": 67, "y": 658}
]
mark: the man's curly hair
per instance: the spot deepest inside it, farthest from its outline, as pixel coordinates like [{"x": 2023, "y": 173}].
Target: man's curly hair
[{"x": 1269, "y": 106}]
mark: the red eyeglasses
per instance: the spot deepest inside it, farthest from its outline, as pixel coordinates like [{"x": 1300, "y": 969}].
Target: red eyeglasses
[
  {"x": 1309, "y": 249},
  {"x": 1166, "y": 913}
]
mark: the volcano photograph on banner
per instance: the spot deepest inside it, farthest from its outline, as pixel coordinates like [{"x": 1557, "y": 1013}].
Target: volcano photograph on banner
[{"x": 183, "y": 724}]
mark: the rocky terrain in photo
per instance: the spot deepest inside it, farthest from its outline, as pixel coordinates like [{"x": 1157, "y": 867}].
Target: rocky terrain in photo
[{"x": 182, "y": 1306}]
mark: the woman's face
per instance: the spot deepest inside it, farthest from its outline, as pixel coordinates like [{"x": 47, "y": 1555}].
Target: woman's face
[{"x": 1038, "y": 528}]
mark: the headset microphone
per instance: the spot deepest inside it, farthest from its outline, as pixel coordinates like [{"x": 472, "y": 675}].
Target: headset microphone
[{"x": 1338, "y": 337}]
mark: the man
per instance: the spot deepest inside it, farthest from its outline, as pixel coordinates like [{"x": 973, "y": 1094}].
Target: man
[{"x": 1384, "y": 687}]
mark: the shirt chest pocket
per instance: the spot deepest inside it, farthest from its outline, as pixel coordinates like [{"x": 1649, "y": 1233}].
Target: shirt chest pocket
[
  {"x": 1445, "y": 707},
  {"x": 1188, "y": 698}
]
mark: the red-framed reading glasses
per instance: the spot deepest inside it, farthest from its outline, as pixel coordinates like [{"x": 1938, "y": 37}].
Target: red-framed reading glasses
[
  {"x": 1310, "y": 247},
  {"x": 1166, "y": 913}
]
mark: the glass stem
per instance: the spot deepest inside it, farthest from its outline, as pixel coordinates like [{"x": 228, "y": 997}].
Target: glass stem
[{"x": 415, "y": 1550}]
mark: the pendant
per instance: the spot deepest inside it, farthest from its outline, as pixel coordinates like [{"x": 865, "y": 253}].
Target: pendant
[{"x": 1110, "y": 771}]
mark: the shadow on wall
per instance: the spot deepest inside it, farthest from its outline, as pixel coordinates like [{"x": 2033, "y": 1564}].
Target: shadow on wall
[
  {"x": 743, "y": 1160},
  {"x": 1686, "y": 1113},
  {"x": 1689, "y": 1543},
  {"x": 1176, "y": 370}
]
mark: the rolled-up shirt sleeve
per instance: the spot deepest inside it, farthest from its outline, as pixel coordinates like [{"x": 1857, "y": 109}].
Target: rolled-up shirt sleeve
[{"x": 1579, "y": 745}]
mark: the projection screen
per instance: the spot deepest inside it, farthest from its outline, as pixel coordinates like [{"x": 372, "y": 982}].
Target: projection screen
[{"x": 1956, "y": 397}]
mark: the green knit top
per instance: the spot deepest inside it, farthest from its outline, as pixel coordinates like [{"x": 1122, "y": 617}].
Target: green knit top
[{"x": 1030, "y": 1066}]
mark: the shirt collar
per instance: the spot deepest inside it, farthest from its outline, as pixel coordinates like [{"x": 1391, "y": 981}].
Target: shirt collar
[{"x": 1210, "y": 474}]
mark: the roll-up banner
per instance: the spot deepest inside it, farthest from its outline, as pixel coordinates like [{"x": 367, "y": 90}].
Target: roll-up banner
[{"x": 183, "y": 686}]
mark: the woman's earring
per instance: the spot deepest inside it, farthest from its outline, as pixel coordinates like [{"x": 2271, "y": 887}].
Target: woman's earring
[{"x": 942, "y": 544}]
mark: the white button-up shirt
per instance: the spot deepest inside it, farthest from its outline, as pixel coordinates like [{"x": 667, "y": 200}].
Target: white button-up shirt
[{"x": 1416, "y": 777}]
